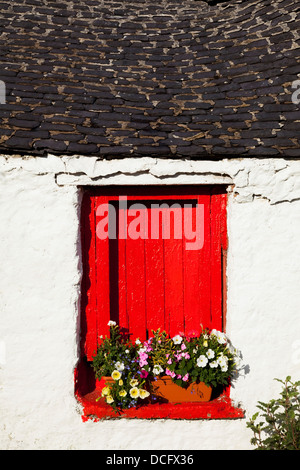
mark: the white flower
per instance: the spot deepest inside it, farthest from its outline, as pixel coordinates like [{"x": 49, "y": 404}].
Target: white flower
[
  {"x": 119, "y": 366},
  {"x": 126, "y": 351},
  {"x": 116, "y": 374},
  {"x": 137, "y": 341},
  {"x": 213, "y": 364},
  {"x": 202, "y": 361},
  {"x": 134, "y": 382},
  {"x": 144, "y": 393},
  {"x": 157, "y": 369},
  {"x": 177, "y": 339},
  {"x": 210, "y": 354},
  {"x": 111, "y": 323},
  {"x": 134, "y": 392},
  {"x": 223, "y": 362},
  {"x": 221, "y": 337}
]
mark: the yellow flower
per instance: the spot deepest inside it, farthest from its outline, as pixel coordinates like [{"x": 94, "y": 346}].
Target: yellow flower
[
  {"x": 144, "y": 393},
  {"x": 116, "y": 375},
  {"x": 109, "y": 399},
  {"x": 134, "y": 392},
  {"x": 121, "y": 382},
  {"x": 122, "y": 393},
  {"x": 205, "y": 344},
  {"x": 133, "y": 382},
  {"x": 105, "y": 391}
]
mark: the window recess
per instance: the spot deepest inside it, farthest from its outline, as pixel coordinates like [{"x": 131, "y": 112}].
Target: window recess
[{"x": 153, "y": 257}]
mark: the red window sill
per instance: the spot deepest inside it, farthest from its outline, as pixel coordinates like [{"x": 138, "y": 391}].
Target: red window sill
[{"x": 218, "y": 408}]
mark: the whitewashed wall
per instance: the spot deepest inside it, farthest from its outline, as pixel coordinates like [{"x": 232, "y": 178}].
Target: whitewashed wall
[{"x": 40, "y": 274}]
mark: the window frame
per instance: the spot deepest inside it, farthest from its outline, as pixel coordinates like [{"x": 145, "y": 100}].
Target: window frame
[{"x": 85, "y": 386}]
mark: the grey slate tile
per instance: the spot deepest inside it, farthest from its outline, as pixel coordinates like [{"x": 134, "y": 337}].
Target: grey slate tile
[{"x": 109, "y": 78}]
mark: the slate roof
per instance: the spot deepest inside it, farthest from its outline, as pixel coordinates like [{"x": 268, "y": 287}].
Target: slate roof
[{"x": 179, "y": 78}]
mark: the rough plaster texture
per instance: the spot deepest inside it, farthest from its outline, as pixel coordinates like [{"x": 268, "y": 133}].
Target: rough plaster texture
[{"x": 40, "y": 274}]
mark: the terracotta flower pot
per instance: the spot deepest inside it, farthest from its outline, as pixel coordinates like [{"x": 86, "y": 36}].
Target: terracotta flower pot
[
  {"x": 103, "y": 382},
  {"x": 165, "y": 389},
  {"x": 108, "y": 380}
]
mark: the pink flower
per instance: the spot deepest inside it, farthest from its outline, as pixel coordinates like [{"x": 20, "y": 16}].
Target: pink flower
[
  {"x": 143, "y": 359},
  {"x": 170, "y": 373},
  {"x": 144, "y": 373},
  {"x": 178, "y": 356},
  {"x": 179, "y": 376},
  {"x": 143, "y": 355},
  {"x": 186, "y": 355},
  {"x": 143, "y": 363},
  {"x": 147, "y": 345},
  {"x": 169, "y": 361},
  {"x": 183, "y": 346},
  {"x": 185, "y": 377}
]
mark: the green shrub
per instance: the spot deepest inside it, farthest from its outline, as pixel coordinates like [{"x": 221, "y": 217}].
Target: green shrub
[{"x": 280, "y": 427}]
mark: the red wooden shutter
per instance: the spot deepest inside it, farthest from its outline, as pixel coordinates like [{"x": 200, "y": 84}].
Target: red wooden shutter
[{"x": 152, "y": 281}]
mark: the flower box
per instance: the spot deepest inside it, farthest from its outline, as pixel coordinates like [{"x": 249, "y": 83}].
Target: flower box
[
  {"x": 164, "y": 389},
  {"x": 184, "y": 368}
]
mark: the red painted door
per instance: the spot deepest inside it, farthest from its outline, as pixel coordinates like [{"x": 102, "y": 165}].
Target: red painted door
[{"x": 153, "y": 258}]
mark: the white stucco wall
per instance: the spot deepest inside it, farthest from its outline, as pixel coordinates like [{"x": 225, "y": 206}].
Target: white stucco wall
[{"x": 40, "y": 274}]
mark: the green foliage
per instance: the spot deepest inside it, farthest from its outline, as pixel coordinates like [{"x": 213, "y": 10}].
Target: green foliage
[
  {"x": 162, "y": 347},
  {"x": 114, "y": 349},
  {"x": 277, "y": 427}
]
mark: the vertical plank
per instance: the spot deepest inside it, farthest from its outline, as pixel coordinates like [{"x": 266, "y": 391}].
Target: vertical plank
[
  {"x": 173, "y": 261},
  {"x": 85, "y": 283},
  {"x": 223, "y": 220},
  {"x": 122, "y": 230},
  {"x": 191, "y": 281},
  {"x": 197, "y": 272},
  {"x": 205, "y": 265},
  {"x": 113, "y": 260},
  {"x": 216, "y": 262},
  {"x": 224, "y": 248},
  {"x": 91, "y": 307},
  {"x": 135, "y": 273},
  {"x": 154, "y": 272},
  {"x": 103, "y": 310}
]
